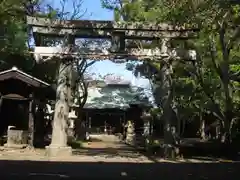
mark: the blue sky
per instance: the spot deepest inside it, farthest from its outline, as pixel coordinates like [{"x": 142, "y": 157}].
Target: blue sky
[
  {"x": 96, "y": 12},
  {"x": 94, "y": 9}
]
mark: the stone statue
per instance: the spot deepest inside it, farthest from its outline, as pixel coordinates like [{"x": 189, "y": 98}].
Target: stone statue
[{"x": 130, "y": 134}]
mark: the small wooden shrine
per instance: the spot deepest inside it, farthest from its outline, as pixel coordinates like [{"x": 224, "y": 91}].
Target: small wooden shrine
[{"x": 22, "y": 97}]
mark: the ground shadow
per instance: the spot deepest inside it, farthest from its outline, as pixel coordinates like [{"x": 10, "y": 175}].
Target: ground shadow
[
  {"x": 75, "y": 144},
  {"x": 36, "y": 170},
  {"x": 211, "y": 149},
  {"x": 109, "y": 152},
  {"x": 195, "y": 149},
  {"x": 78, "y": 144}
]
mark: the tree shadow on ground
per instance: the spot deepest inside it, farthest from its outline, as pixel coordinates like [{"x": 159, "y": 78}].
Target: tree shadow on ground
[
  {"x": 75, "y": 144},
  {"x": 199, "y": 150},
  {"x": 35, "y": 170},
  {"x": 78, "y": 144},
  {"x": 109, "y": 152},
  {"x": 211, "y": 149}
]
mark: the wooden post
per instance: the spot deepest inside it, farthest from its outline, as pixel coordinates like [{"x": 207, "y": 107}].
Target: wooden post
[
  {"x": 30, "y": 122},
  {"x": 58, "y": 146},
  {"x": 39, "y": 124}
]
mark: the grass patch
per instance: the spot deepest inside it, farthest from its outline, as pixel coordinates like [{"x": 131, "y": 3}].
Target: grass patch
[{"x": 76, "y": 144}]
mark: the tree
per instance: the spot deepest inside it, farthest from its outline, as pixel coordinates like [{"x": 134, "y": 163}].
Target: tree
[
  {"x": 13, "y": 35},
  {"x": 217, "y": 49},
  {"x": 48, "y": 71},
  {"x": 160, "y": 74},
  {"x": 218, "y": 43}
]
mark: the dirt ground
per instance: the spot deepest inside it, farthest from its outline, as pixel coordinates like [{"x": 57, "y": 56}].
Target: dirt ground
[
  {"x": 108, "y": 158},
  {"x": 34, "y": 165},
  {"x": 96, "y": 154},
  {"x": 104, "y": 148}
]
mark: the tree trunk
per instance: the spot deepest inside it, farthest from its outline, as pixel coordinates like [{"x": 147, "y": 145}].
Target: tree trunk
[
  {"x": 166, "y": 104},
  {"x": 202, "y": 127},
  {"x": 225, "y": 78},
  {"x": 80, "y": 130},
  {"x": 226, "y": 137},
  {"x": 170, "y": 148}
]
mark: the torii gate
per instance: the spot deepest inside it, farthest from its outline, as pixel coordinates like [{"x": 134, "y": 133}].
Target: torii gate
[{"x": 118, "y": 33}]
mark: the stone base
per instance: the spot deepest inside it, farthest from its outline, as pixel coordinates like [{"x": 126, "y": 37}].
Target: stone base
[
  {"x": 15, "y": 146},
  {"x": 131, "y": 139},
  {"x": 58, "y": 151}
]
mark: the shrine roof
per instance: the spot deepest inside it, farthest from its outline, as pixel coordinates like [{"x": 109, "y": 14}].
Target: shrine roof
[
  {"x": 15, "y": 73},
  {"x": 120, "y": 97}
]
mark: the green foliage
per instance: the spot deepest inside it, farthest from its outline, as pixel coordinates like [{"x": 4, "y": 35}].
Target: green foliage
[
  {"x": 13, "y": 36},
  {"x": 211, "y": 84},
  {"x": 14, "y": 47}
]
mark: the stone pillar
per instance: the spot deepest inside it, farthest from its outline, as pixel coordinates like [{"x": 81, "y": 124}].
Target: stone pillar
[{"x": 58, "y": 146}]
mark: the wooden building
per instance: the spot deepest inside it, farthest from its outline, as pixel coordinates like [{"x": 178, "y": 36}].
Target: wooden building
[{"x": 21, "y": 103}]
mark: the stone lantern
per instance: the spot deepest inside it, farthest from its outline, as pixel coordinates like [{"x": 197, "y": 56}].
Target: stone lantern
[
  {"x": 147, "y": 122},
  {"x": 147, "y": 128},
  {"x": 71, "y": 124}
]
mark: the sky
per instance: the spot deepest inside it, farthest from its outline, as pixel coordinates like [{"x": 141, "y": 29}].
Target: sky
[
  {"x": 93, "y": 7},
  {"x": 96, "y": 12}
]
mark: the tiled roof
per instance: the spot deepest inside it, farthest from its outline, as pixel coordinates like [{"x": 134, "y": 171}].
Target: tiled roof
[{"x": 112, "y": 97}]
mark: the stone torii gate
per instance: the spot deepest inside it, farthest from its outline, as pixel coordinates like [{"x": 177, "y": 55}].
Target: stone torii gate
[{"x": 120, "y": 34}]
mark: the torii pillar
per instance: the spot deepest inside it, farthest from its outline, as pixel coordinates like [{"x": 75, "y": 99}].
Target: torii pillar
[{"x": 59, "y": 146}]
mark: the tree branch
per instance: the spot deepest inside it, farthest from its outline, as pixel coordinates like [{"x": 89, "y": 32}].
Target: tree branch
[
  {"x": 199, "y": 76},
  {"x": 233, "y": 39}
]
